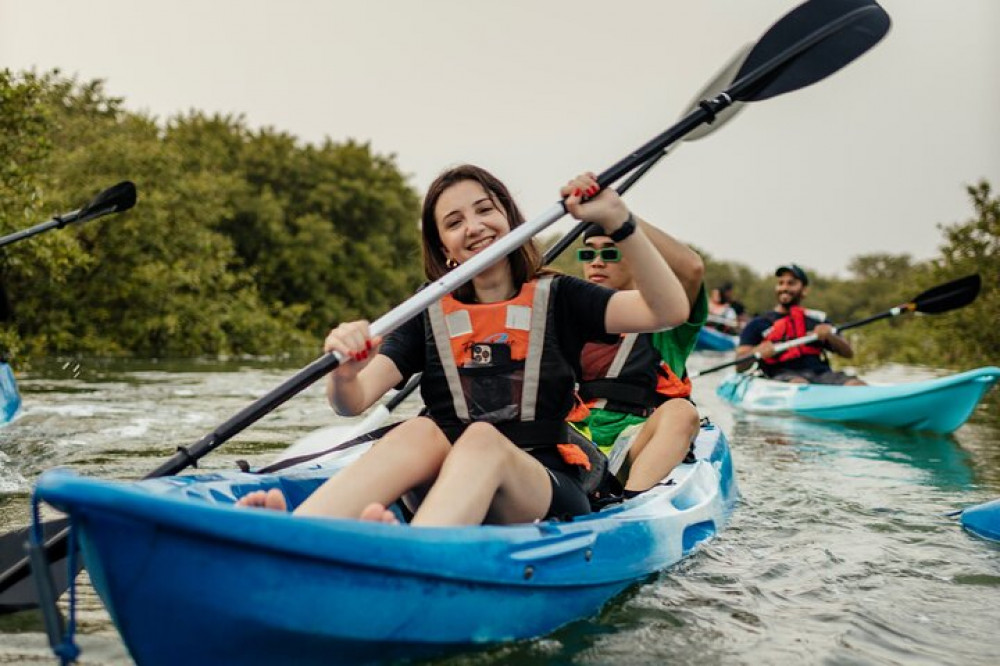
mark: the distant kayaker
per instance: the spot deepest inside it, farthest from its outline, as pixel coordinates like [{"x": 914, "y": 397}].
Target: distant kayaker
[
  {"x": 724, "y": 314},
  {"x": 789, "y": 320},
  {"x": 640, "y": 380},
  {"x": 499, "y": 357}
]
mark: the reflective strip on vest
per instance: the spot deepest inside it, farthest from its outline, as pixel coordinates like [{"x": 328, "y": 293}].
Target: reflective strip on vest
[
  {"x": 439, "y": 327},
  {"x": 617, "y": 363},
  {"x": 533, "y": 361},
  {"x": 621, "y": 356}
]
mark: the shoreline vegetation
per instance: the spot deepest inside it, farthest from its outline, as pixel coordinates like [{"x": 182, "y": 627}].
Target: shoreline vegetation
[{"x": 251, "y": 242}]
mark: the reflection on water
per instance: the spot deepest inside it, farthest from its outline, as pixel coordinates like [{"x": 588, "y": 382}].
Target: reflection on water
[
  {"x": 917, "y": 457},
  {"x": 838, "y": 553}
]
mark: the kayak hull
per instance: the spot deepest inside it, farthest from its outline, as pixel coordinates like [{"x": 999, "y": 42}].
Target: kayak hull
[
  {"x": 185, "y": 575},
  {"x": 317, "y": 611},
  {"x": 710, "y": 339},
  {"x": 983, "y": 520},
  {"x": 936, "y": 405}
]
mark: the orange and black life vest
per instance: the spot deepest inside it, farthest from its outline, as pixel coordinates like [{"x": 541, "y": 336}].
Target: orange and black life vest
[
  {"x": 629, "y": 376},
  {"x": 789, "y": 327},
  {"x": 501, "y": 363}
]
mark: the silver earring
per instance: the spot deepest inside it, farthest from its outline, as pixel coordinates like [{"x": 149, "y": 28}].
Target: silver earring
[{"x": 451, "y": 264}]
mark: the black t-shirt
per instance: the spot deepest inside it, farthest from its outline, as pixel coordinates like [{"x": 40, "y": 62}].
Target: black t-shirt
[
  {"x": 754, "y": 332},
  {"x": 579, "y": 311}
]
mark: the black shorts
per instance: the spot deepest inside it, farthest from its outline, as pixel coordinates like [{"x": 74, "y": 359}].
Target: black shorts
[
  {"x": 568, "y": 496},
  {"x": 830, "y": 377}
]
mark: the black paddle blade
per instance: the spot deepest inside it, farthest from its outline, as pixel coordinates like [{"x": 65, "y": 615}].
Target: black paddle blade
[
  {"x": 22, "y": 594},
  {"x": 950, "y": 296},
  {"x": 807, "y": 45},
  {"x": 115, "y": 199}
]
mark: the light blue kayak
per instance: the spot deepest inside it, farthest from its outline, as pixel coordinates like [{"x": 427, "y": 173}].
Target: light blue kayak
[
  {"x": 189, "y": 578},
  {"x": 10, "y": 397},
  {"x": 983, "y": 520},
  {"x": 710, "y": 339},
  {"x": 939, "y": 405}
]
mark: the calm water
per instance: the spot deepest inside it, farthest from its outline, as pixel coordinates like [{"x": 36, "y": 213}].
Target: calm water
[{"x": 838, "y": 554}]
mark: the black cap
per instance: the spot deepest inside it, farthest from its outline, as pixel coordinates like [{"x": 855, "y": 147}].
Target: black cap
[
  {"x": 795, "y": 270},
  {"x": 593, "y": 230}
]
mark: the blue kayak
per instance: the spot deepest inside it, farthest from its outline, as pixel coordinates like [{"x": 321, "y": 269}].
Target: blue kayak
[
  {"x": 10, "y": 397},
  {"x": 189, "y": 578},
  {"x": 983, "y": 520},
  {"x": 709, "y": 339},
  {"x": 939, "y": 405}
]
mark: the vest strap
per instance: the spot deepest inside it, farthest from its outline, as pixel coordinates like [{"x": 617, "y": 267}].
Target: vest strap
[
  {"x": 441, "y": 340},
  {"x": 615, "y": 390}
]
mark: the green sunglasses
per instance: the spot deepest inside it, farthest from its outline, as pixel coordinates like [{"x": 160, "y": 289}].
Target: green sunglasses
[{"x": 607, "y": 254}]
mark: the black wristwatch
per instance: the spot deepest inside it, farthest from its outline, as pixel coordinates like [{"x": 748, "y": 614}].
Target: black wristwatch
[{"x": 624, "y": 231}]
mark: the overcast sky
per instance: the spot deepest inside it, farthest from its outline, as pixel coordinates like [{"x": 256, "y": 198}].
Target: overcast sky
[{"x": 869, "y": 160}]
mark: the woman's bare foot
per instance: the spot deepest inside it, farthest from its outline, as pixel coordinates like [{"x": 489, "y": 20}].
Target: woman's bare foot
[
  {"x": 377, "y": 513},
  {"x": 272, "y": 499}
]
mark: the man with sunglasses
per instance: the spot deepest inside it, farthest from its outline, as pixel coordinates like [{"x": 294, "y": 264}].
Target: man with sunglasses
[
  {"x": 637, "y": 383},
  {"x": 805, "y": 364}
]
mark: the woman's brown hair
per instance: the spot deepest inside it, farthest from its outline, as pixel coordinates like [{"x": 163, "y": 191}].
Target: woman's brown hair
[{"x": 525, "y": 262}]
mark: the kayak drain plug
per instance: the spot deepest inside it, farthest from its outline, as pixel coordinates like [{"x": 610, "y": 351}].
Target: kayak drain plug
[
  {"x": 528, "y": 572},
  {"x": 588, "y": 555}
]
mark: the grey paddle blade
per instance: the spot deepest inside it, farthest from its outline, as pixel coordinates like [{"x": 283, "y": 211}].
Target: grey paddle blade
[{"x": 722, "y": 80}]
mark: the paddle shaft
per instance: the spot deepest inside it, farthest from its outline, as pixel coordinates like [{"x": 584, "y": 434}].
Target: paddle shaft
[
  {"x": 54, "y": 223},
  {"x": 812, "y": 337}
]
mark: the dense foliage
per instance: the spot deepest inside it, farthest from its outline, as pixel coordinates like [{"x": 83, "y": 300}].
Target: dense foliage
[
  {"x": 248, "y": 241},
  {"x": 242, "y": 241}
]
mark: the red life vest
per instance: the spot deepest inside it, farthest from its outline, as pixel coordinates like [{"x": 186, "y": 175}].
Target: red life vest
[
  {"x": 501, "y": 363},
  {"x": 629, "y": 376},
  {"x": 790, "y": 327}
]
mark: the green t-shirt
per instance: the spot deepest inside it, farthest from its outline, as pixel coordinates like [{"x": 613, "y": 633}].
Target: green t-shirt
[{"x": 674, "y": 345}]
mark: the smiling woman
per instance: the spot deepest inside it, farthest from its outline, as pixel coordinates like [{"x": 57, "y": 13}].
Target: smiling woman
[
  {"x": 470, "y": 199},
  {"x": 499, "y": 359}
]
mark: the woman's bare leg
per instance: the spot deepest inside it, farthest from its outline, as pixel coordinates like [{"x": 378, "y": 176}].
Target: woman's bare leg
[
  {"x": 485, "y": 473},
  {"x": 409, "y": 455},
  {"x": 662, "y": 443}
]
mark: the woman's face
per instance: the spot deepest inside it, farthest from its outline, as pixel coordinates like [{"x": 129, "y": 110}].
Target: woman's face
[{"x": 468, "y": 220}]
